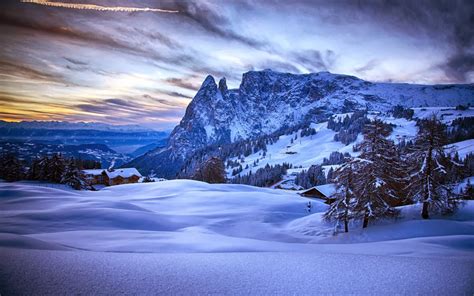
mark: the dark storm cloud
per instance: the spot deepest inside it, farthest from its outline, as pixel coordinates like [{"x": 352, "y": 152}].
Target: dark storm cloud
[
  {"x": 61, "y": 31},
  {"x": 212, "y": 21},
  {"x": 76, "y": 62},
  {"x": 167, "y": 102},
  {"x": 157, "y": 36},
  {"x": 178, "y": 95},
  {"x": 80, "y": 66},
  {"x": 104, "y": 40},
  {"x": 119, "y": 110},
  {"x": 18, "y": 69},
  {"x": 110, "y": 106},
  {"x": 183, "y": 83},
  {"x": 275, "y": 65},
  {"x": 314, "y": 60},
  {"x": 452, "y": 20},
  {"x": 372, "y": 64},
  {"x": 458, "y": 65},
  {"x": 444, "y": 21},
  {"x": 120, "y": 102},
  {"x": 8, "y": 98},
  {"x": 122, "y": 106}
]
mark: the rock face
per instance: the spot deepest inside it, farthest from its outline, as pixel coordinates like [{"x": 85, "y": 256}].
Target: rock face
[{"x": 267, "y": 100}]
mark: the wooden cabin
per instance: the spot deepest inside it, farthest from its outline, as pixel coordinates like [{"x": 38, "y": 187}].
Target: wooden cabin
[
  {"x": 112, "y": 177},
  {"x": 324, "y": 192},
  {"x": 96, "y": 176}
]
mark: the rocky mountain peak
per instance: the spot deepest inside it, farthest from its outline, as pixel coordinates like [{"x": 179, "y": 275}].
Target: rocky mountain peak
[
  {"x": 223, "y": 86},
  {"x": 267, "y": 101}
]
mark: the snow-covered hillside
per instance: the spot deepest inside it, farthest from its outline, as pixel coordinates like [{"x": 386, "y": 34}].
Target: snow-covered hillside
[
  {"x": 55, "y": 241},
  {"x": 302, "y": 153},
  {"x": 163, "y": 216},
  {"x": 305, "y": 151}
]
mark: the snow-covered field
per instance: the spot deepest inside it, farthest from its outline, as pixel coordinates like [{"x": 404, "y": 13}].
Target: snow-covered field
[{"x": 188, "y": 237}]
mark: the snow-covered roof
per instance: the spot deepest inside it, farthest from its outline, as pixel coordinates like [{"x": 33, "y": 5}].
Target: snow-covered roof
[
  {"x": 94, "y": 172},
  {"x": 327, "y": 189},
  {"x": 124, "y": 173}
]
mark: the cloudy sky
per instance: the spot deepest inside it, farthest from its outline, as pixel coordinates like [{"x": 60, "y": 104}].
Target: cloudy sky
[{"x": 141, "y": 62}]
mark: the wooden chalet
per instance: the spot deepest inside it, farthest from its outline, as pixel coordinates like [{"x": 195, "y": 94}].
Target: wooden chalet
[
  {"x": 324, "y": 192},
  {"x": 112, "y": 177}
]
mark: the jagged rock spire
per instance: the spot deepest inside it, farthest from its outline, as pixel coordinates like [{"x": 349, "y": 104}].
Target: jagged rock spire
[{"x": 223, "y": 85}]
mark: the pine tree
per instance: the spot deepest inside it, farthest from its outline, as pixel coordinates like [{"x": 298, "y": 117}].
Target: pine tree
[
  {"x": 41, "y": 173},
  {"x": 341, "y": 209},
  {"x": 468, "y": 192},
  {"x": 11, "y": 168},
  {"x": 35, "y": 169},
  {"x": 55, "y": 169},
  {"x": 330, "y": 175},
  {"x": 429, "y": 175},
  {"x": 312, "y": 177},
  {"x": 378, "y": 172},
  {"x": 73, "y": 176},
  {"x": 211, "y": 171}
]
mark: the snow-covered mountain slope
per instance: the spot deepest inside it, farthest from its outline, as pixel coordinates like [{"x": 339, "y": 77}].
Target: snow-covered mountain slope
[
  {"x": 267, "y": 101},
  {"x": 463, "y": 148},
  {"x": 302, "y": 152}
]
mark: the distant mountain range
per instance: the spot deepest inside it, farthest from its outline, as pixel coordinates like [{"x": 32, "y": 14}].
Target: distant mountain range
[
  {"x": 64, "y": 125},
  {"x": 123, "y": 138},
  {"x": 27, "y": 151},
  {"x": 268, "y": 101}
]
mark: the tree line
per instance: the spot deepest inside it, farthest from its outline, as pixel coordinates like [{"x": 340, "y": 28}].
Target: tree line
[{"x": 55, "y": 169}]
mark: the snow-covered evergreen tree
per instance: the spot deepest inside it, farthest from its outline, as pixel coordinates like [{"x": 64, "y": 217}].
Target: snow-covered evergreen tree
[
  {"x": 211, "y": 171},
  {"x": 263, "y": 177},
  {"x": 10, "y": 168},
  {"x": 341, "y": 210},
  {"x": 55, "y": 168},
  {"x": 468, "y": 192},
  {"x": 312, "y": 177},
  {"x": 330, "y": 175},
  {"x": 73, "y": 176},
  {"x": 378, "y": 174},
  {"x": 429, "y": 182}
]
